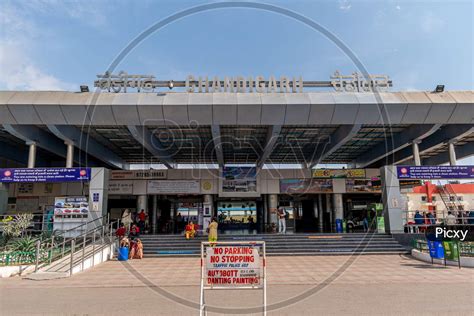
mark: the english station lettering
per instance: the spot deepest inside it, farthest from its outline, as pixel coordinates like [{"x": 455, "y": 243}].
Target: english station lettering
[{"x": 242, "y": 85}]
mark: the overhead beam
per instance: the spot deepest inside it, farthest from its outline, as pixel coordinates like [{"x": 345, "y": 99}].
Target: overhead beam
[
  {"x": 441, "y": 137},
  {"x": 216, "y": 138},
  {"x": 42, "y": 139},
  {"x": 273, "y": 133},
  {"x": 342, "y": 135},
  {"x": 71, "y": 134},
  {"x": 19, "y": 155},
  {"x": 395, "y": 143},
  {"x": 152, "y": 144},
  {"x": 463, "y": 151}
]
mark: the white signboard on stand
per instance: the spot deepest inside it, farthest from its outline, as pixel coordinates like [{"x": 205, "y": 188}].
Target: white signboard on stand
[{"x": 233, "y": 265}]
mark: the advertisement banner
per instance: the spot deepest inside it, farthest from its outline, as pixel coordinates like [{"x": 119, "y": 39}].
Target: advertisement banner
[
  {"x": 354, "y": 185},
  {"x": 45, "y": 174},
  {"x": 239, "y": 179},
  {"x": 435, "y": 172},
  {"x": 232, "y": 266},
  {"x": 380, "y": 225},
  {"x": 339, "y": 173},
  {"x": 71, "y": 205},
  {"x": 290, "y": 186},
  {"x": 173, "y": 187}
]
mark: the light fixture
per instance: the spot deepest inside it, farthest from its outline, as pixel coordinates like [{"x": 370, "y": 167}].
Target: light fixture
[
  {"x": 84, "y": 88},
  {"x": 439, "y": 88},
  {"x": 170, "y": 84}
]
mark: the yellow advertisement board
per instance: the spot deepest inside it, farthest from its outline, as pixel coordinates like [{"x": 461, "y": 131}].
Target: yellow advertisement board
[{"x": 339, "y": 173}]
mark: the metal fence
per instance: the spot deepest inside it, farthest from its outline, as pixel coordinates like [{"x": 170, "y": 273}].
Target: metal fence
[
  {"x": 419, "y": 221},
  {"x": 466, "y": 249}
]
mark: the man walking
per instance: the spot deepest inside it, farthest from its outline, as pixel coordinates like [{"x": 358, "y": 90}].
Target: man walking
[{"x": 281, "y": 221}]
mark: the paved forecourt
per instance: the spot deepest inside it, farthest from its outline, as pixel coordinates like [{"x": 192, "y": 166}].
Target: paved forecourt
[{"x": 371, "y": 284}]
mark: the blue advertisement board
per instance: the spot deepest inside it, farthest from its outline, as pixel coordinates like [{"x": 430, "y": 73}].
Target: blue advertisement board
[
  {"x": 435, "y": 172},
  {"x": 45, "y": 174}
]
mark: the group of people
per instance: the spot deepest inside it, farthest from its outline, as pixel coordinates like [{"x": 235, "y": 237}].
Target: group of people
[
  {"x": 135, "y": 247},
  {"x": 191, "y": 230},
  {"x": 129, "y": 231},
  {"x": 130, "y": 218},
  {"x": 422, "y": 221}
]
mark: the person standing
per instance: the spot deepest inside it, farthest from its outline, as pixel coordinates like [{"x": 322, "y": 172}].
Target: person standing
[
  {"x": 127, "y": 219},
  {"x": 141, "y": 220},
  {"x": 281, "y": 221},
  {"x": 212, "y": 229}
]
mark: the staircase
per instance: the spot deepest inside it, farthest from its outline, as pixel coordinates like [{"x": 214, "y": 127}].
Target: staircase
[{"x": 281, "y": 245}]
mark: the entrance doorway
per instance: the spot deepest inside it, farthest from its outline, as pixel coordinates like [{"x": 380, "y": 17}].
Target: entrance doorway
[{"x": 237, "y": 217}]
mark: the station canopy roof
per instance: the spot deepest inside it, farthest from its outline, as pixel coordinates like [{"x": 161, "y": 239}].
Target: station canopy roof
[{"x": 117, "y": 129}]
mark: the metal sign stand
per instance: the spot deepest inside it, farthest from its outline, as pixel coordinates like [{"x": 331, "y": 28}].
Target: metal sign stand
[{"x": 263, "y": 274}]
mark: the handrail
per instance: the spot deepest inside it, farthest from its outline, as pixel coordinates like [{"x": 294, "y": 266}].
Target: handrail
[{"x": 79, "y": 241}]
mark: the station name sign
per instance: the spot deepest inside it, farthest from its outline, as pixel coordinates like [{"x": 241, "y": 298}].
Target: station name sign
[
  {"x": 355, "y": 82},
  {"x": 435, "y": 172},
  {"x": 240, "y": 84},
  {"x": 45, "y": 175}
]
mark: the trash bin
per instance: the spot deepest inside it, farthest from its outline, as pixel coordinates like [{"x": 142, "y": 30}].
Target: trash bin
[
  {"x": 123, "y": 254},
  {"x": 344, "y": 226},
  {"x": 451, "y": 250},
  {"x": 338, "y": 225},
  {"x": 436, "y": 249}
]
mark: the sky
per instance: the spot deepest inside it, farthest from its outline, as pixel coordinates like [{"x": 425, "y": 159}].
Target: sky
[{"x": 59, "y": 45}]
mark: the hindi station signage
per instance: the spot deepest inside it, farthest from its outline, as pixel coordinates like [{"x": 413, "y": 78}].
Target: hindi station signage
[
  {"x": 355, "y": 82},
  {"x": 232, "y": 266},
  {"x": 435, "y": 172},
  {"x": 45, "y": 175}
]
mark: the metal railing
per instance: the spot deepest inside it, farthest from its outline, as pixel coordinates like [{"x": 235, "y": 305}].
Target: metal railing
[
  {"x": 414, "y": 223},
  {"x": 99, "y": 237},
  {"x": 466, "y": 248}
]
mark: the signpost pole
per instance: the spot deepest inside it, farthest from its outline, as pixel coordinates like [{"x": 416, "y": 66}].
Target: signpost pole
[
  {"x": 264, "y": 280},
  {"x": 201, "y": 296}
]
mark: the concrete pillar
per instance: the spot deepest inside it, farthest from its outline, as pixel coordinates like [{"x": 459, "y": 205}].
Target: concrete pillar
[
  {"x": 416, "y": 153},
  {"x": 154, "y": 217},
  {"x": 142, "y": 203},
  {"x": 266, "y": 213},
  {"x": 338, "y": 206},
  {"x": 273, "y": 208},
  {"x": 452, "y": 154},
  {"x": 31, "y": 154},
  {"x": 320, "y": 216},
  {"x": 3, "y": 198},
  {"x": 98, "y": 193},
  {"x": 69, "y": 155},
  {"x": 392, "y": 200},
  {"x": 329, "y": 211},
  {"x": 315, "y": 208}
]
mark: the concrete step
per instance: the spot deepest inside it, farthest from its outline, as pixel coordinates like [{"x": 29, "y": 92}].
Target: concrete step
[{"x": 278, "y": 245}]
